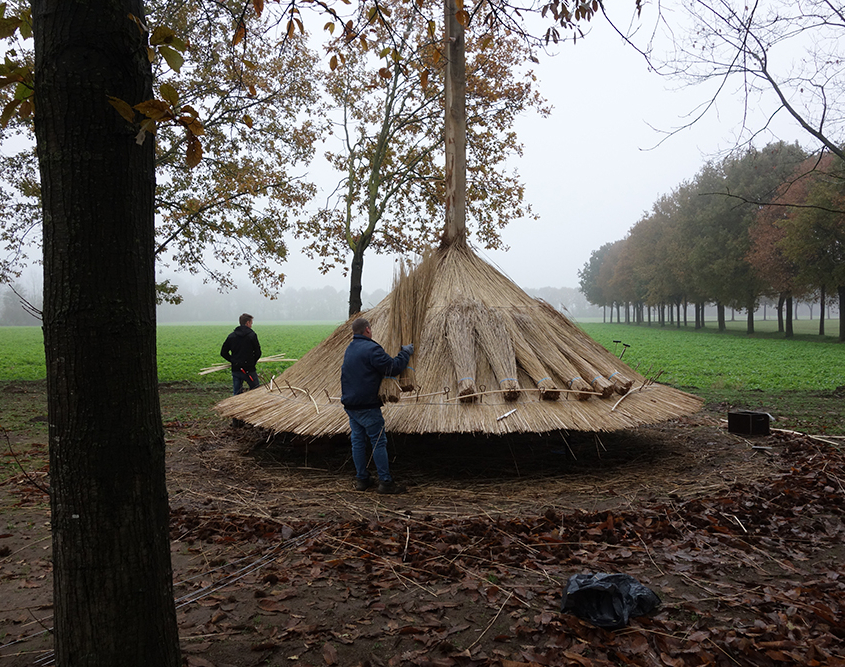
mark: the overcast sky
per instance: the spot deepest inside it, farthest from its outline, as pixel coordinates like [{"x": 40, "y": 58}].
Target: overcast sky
[{"x": 596, "y": 164}]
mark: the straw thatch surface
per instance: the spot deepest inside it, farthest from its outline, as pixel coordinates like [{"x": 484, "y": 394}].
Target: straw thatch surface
[{"x": 488, "y": 359}]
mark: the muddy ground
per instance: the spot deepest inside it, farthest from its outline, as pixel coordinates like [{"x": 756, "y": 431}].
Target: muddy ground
[{"x": 277, "y": 561}]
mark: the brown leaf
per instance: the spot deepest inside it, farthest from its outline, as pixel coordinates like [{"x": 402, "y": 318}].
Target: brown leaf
[
  {"x": 195, "y": 661},
  {"x": 240, "y": 33},
  {"x": 122, "y": 107},
  {"x": 193, "y": 153},
  {"x": 154, "y": 109},
  {"x": 329, "y": 654},
  {"x": 271, "y": 605}
]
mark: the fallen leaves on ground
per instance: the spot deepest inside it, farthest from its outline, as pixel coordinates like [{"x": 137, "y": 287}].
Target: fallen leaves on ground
[{"x": 751, "y": 576}]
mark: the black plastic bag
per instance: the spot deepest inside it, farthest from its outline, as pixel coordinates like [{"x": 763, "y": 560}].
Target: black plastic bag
[{"x": 607, "y": 600}]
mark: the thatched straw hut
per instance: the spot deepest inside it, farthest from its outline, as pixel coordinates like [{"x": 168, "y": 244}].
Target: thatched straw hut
[{"x": 489, "y": 359}]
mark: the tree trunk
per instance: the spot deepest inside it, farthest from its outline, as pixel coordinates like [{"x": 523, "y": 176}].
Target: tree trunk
[
  {"x": 749, "y": 321},
  {"x": 781, "y": 301},
  {"x": 788, "y": 332},
  {"x": 822, "y": 309},
  {"x": 112, "y": 578},
  {"x": 841, "y": 291},
  {"x": 456, "y": 127},
  {"x": 720, "y": 316},
  {"x": 356, "y": 272}
]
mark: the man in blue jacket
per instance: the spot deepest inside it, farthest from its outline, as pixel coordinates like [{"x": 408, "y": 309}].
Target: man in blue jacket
[
  {"x": 365, "y": 365},
  {"x": 242, "y": 350}
]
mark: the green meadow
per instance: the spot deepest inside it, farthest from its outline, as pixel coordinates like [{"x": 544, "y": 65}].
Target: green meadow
[
  {"x": 704, "y": 361},
  {"x": 183, "y": 350},
  {"x": 708, "y": 361}
]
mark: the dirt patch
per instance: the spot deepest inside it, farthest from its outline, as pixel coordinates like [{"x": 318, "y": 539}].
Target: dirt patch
[{"x": 278, "y": 561}]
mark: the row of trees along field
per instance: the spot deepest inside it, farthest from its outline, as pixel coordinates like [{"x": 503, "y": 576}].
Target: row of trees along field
[{"x": 764, "y": 224}]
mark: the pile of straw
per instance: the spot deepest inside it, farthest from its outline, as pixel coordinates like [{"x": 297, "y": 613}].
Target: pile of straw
[{"x": 488, "y": 359}]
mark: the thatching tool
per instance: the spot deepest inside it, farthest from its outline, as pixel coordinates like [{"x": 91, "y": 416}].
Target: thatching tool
[{"x": 625, "y": 346}]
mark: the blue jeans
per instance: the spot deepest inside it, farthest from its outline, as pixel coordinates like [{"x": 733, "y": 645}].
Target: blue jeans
[
  {"x": 368, "y": 426},
  {"x": 239, "y": 377}
]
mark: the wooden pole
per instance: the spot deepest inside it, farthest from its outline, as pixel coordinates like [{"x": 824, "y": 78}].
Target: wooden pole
[{"x": 456, "y": 130}]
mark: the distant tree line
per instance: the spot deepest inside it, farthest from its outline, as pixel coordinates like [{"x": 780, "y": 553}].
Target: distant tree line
[
  {"x": 207, "y": 304},
  {"x": 763, "y": 226}
]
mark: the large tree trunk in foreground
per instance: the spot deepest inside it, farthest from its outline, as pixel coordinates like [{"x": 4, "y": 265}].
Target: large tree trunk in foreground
[{"x": 113, "y": 593}]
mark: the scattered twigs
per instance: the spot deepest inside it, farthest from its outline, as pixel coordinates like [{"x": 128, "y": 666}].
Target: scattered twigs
[
  {"x": 265, "y": 559},
  {"x": 490, "y": 624},
  {"x": 29, "y": 477},
  {"x": 825, "y": 439}
]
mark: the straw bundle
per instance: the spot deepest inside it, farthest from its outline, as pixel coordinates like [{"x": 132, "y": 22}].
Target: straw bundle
[
  {"x": 550, "y": 355},
  {"x": 460, "y": 333},
  {"x": 585, "y": 347},
  {"x": 495, "y": 341},
  {"x": 531, "y": 364},
  {"x": 409, "y": 303}
]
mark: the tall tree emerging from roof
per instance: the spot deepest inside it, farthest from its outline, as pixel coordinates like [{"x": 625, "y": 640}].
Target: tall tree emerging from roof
[{"x": 392, "y": 195}]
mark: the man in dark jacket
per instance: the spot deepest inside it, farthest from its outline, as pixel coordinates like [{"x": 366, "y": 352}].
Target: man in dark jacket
[
  {"x": 242, "y": 350},
  {"x": 365, "y": 365}
]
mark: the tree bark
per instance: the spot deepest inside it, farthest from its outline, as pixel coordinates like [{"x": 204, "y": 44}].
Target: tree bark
[
  {"x": 781, "y": 301},
  {"x": 822, "y": 299},
  {"x": 720, "y": 316},
  {"x": 456, "y": 128},
  {"x": 356, "y": 273},
  {"x": 788, "y": 332},
  {"x": 841, "y": 291},
  {"x": 112, "y": 578},
  {"x": 749, "y": 320}
]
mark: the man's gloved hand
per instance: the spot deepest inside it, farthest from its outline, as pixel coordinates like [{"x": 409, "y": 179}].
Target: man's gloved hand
[{"x": 408, "y": 348}]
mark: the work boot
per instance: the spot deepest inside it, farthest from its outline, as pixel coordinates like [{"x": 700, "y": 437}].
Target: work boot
[
  {"x": 391, "y": 487},
  {"x": 364, "y": 484}
]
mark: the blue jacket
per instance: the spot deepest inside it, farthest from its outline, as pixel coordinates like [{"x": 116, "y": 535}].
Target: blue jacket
[{"x": 365, "y": 364}]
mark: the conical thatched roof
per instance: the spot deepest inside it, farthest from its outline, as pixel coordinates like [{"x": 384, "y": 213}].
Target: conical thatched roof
[{"x": 488, "y": 359}]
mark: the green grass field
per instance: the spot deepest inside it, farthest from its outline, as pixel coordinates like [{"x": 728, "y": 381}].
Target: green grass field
[
  {"x": 708, "y": 360},
  {"x": 182, "y": 350}
]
